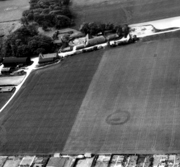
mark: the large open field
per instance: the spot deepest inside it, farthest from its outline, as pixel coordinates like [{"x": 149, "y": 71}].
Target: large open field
[
  {"x": 124, "y": 11},
  {"x": 42, "y": 114},
  {"x": 133, "y": 102},
  {"x": 122, "y": 100}
]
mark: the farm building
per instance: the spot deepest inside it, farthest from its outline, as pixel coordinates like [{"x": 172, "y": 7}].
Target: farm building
[
  {"x": 111, "y": 37},
  {"x": 14, "y": 61},
  {"x": 47, "y": 58},
  {"x": 96, "y": 40}
]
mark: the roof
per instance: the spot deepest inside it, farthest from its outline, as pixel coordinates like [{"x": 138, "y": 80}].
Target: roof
[
  {"x": 15, "y": 60},
  {"x": 77, "y": 35},
  {"x": 27, "y": 161},
  {"x": 103, "y": 160},
  {"x": 12, "y": 162},
  {"x": 2, "y": 158},
  {"x": 40, "y": 161},
  {"x": 49, "y": 55},
  {"x": 96, "y": 40},
  {"x": 56, "y": 162},
  {"x": 112, "y": 36},
  {"x": 85, "y": 162},
  {"x": 6, "y": 69}
]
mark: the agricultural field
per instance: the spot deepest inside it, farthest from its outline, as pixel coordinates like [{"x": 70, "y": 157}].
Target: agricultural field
[
  {"x": 124, "y": 11},
  {"x": 41, "y": 115},
  {"x": 133, "y": 102},
  {"x": 4, "y": 97},
  {"x": 12, "y": 9}
]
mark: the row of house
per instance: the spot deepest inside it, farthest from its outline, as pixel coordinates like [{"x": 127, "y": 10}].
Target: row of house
[{"x": 89, "y": 160}]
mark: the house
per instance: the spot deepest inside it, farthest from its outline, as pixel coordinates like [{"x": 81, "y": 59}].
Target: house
[
  {"x": 16, "y": 61},
  {"x": 47, "y": 58},
  {"x": 96, "y": 40}
]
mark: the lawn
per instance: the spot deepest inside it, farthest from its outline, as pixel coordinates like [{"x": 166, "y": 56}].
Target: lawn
[
  {"x": 41, "y": 115},
  {"x": 133, "y": 102}
]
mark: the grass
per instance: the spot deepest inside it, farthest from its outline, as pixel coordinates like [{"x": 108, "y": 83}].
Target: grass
[
  {"x": 133, "y": 102},
  {"x": 40, "y": 117}
]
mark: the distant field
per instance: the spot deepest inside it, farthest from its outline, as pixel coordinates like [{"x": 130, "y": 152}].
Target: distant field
[
  {"x": 124, "y": 11},
  {"x": 133, "y": 102},
  {"x": 41, "y": 115}
]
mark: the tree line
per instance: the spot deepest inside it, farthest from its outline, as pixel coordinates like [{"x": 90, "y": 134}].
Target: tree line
[
  {"x": 49, "y": 13},
  {"x": 101, "y": 28}
]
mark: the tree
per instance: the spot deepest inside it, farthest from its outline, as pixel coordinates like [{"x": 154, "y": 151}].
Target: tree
[
  {"x": 26, "y": 42},
  {"x": 84, "y": 28},
  {"x": 125, "y": 30},
  {"x": 118, "y": 30}
]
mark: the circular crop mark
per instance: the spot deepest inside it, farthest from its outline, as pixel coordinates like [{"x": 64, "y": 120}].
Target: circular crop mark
[{"x": 118, "y": 118}]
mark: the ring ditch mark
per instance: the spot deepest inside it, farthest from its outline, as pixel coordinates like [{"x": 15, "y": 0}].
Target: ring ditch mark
[{"x": 118, "y": 117}]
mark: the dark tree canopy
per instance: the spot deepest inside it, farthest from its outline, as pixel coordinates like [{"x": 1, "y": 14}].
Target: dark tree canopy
[
  {"x": 96, "y": 28},
  {"x": 46, "y": 13},
  {"x": 26, "y": 42}
]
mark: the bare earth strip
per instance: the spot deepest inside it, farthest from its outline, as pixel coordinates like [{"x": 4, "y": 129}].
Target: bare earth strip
[{"x": 133, "y": 102}]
